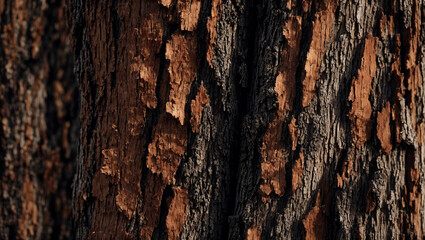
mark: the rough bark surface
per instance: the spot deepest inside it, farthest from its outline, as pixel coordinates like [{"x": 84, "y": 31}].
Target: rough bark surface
[
  {"x": 38, "y": 120},
  {"x": 250, "y": 119}
]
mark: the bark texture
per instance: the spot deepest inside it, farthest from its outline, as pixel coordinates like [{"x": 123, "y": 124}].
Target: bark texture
[
  {"x": 38, "y": 127},
  {"x": 250, "y": 119}
]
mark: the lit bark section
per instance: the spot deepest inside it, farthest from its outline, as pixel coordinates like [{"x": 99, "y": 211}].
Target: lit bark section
[
  {"x": 361, "y": 108},
  {"x": 165, "y": 3},
  {"x": 177, "y": 213},
  {"x": 321, "y": 37},
  {"x": 383, "y": 128},
  {"x": 253, "y": 233},
  {"x": 273, "y": 160},
  {"x": 212, "y": 30},
  {"x": 189, "y": 13},
  {"x": 181, "y": 51},
  {"x": 197, "y": 106}
]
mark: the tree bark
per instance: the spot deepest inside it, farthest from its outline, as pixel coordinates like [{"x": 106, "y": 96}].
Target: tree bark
[
  {"x": 39, "y": 120},
  {"x": 250, "y": 119}
]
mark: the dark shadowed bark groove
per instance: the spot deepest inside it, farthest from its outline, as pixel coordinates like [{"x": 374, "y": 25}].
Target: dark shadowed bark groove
[
  {"x": 38, "y": 120},
  {"x": 250, "y": 119}
]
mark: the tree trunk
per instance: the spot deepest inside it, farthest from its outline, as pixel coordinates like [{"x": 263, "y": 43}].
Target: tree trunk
[
  {"x": 250, "y": 119},
  {"x": 38, "y": 127}
]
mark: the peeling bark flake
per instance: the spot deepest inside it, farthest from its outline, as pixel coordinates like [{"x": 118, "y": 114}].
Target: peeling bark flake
[
  {"x": 321, "y": 36},
  {"x": 167, "y": 148},
  {"x": 181, "y": 51},
  {"x": 189, "y": 13},
  {"x": 383, "y": 128},
  {"x": 176, "y": 213},
  {"x": 294, "y": 132},
  {"x": 196, "y": 106},
  {"x": 147, "y": 64},
  {"x": 361, "y": 108}
]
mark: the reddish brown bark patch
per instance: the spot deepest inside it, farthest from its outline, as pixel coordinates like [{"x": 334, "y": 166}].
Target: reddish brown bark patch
[
  {"x": 383, "y": 128},
  {"x": 253, "y": 233},
  {"x": 181, "y": 51},
  {"x": 315, "y": 223},
  {"x": 212, "y": 29},
  {"x": 321, "y": 36},
  {"x": 147, "y": 64},
  {"x": 297, "y": 172},
  {"x": 189, "y": 12},
  {"x": 177, "y": 213},
  {"x": 361, "y": 108},
  {"x": 167, "y": 148},
  {"x": 286, "y": 80},
  {"x": 197, "y": 106},
  {"x": 273, "y": 160}
]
